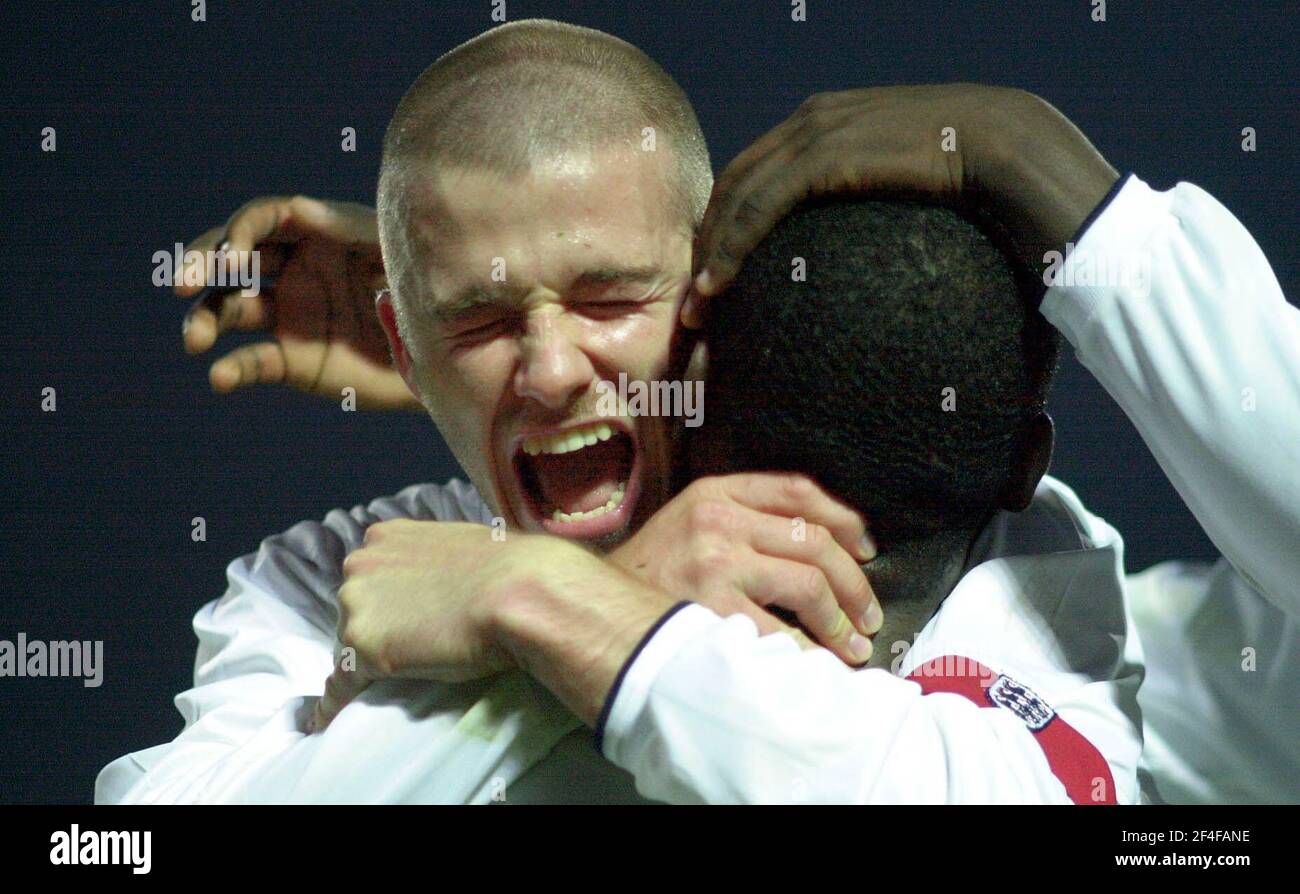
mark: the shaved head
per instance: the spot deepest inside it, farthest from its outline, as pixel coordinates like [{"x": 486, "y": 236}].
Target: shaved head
[{"x": 521, "y": 96}]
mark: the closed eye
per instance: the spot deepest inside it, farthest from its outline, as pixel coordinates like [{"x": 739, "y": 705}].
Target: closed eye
[
  {"x": 603, "y": 310},
  {"x": 481, "y": 331}
]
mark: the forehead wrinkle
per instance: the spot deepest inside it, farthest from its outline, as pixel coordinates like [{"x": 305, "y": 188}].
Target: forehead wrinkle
[{"x": 445, "y": 223}]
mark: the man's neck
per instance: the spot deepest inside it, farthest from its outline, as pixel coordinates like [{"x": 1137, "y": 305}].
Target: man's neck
[{"x": 912, "y": 583}]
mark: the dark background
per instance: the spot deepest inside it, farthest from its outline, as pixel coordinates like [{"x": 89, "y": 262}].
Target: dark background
[{"x": 165, "y": 126}]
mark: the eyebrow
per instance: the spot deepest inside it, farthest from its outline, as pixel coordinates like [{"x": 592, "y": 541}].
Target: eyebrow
[
  {"x": 472, "y": 299},
  {"x": 477, "y": 297},
  {"x": 604, "y": 275}
]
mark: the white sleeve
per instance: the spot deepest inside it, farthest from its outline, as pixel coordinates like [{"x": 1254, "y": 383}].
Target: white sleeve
[
  {"x": 708, "y": 711},
  {"x": 265, "y": 650},
  {"x": 1173, "y": 307},
  {"x": 259, "y": 664}
]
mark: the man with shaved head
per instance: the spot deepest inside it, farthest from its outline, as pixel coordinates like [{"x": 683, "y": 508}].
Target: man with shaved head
[
  {"x": 540, "y": 192},
  {"x": 524, "y": 184},
  {"x": 540, "y": 189},
  {"x": 513, "y": 100}
]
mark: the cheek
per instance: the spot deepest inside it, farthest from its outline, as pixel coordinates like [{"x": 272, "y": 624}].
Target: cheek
[
  {"x": 638, "y": 346},
  {"x": 471, "y": 378},
  {"x": 464, "y": 392}
]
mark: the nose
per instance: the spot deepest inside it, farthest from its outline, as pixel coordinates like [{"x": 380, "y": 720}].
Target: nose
[{"x": 553, "y": 367}]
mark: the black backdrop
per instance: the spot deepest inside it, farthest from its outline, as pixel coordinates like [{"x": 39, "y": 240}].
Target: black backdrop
[{"x": 165, "y": 125}]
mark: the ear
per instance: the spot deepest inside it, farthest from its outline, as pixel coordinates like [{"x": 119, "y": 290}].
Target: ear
[
  {"x": 388, "y": 319},
  {"x": 1029, "y": 465}
]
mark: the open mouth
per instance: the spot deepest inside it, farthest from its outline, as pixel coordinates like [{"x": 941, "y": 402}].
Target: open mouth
[{"x": 580, "y": 482}]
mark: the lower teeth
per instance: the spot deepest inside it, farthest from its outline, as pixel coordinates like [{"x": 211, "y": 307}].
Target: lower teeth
[{"x": 611, "y": 504}]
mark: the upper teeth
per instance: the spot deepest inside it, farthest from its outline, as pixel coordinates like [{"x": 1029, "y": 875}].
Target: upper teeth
[{"x": 569, "y": 440}]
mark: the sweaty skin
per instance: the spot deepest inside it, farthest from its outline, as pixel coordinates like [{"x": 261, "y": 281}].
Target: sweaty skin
[{"x": 574, "y": 639}]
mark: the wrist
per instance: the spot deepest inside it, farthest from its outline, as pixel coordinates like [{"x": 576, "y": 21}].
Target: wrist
[
  {"x": 524, "y": 581},
  {"x": 1038, "y": 174},
  {"x": 572, "y": 620}
]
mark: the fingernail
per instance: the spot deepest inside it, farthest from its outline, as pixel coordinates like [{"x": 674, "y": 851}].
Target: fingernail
[
  {"x": 690, "y": 314},
  {"x": 185, "y": 324},
  {"x": 868, "y": 548},
  {"x": 874, "y": 618},
  {"x": 704, "y": 283},
  {"x": 859, "y": 647},
  {"x": 224, "y": 249}
]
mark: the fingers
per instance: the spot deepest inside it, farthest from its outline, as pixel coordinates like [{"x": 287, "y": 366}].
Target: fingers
[
  {"x": 804, "y": 591},
  {"x": 252, "y": 224},
  {"x": 813, "y": 546},
  {"x": 190, "y": 281},
  {"x": 257, "y": 221},
  {"x": 260, "y": 364},
  {"x": 746, "y": 212},
  {"x": 819, "y": 149},
  {"x": 348, "y": 222},
  {"x": 735, "y": 173},
  {"x": 218, "y": 307},
  {"x": 795, "y": 497},
  {"x": 731, "y": 195},
  {"x": 288, "y": 218},
  {"x": 802, "y": 639},
  {"x": 791, "y": 130},
  {"x": 340, "y": 689},
  {"x": 216, "y": 311},
  {"x": 766, "y": 621}
]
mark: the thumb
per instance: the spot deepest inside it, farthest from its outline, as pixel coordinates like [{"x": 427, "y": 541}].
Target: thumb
[{"x": 340, "y": 689}]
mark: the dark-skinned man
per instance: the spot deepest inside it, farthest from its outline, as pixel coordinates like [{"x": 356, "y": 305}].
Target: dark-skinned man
[{"x": 1041, "y": 197}]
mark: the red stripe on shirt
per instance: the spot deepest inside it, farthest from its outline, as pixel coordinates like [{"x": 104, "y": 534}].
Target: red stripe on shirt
[{"x": 1074, "y": 760}]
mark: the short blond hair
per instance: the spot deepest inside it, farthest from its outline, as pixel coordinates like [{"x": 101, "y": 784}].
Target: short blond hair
[{"x": 522, "y": 93}]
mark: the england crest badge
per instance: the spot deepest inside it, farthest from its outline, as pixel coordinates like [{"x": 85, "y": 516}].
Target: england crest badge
[{"x": 1020, "y": 700}]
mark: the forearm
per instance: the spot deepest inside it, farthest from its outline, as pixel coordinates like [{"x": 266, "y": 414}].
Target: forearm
[
  {"x": 712, "y": 713},
  {"x": 1202, "y": 354},
  {"x": 1199, "y": 349},
  {"x": 574, "y": 624}
]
